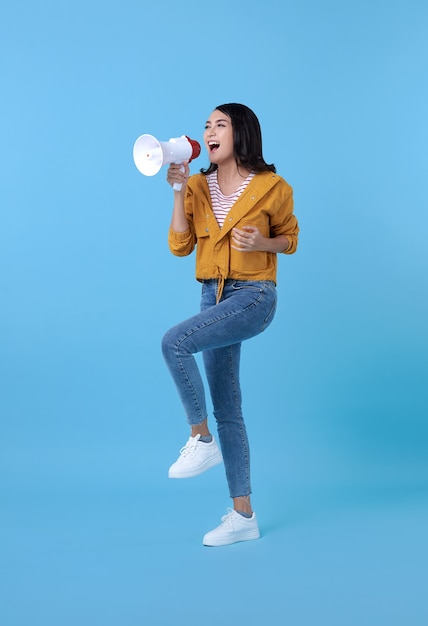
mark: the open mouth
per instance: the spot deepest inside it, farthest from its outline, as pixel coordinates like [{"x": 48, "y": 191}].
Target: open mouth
[{"x": 213, "y": 145}]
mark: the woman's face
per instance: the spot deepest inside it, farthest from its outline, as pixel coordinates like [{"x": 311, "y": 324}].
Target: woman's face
[{"x": 218, "y": 138}]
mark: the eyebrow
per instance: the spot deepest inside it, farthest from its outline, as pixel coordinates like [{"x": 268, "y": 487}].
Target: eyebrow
[{"x": 220, "y": 119}]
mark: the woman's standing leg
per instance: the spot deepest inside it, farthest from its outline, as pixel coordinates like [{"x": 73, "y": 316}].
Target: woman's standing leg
[{"x": 222, "y": 370}]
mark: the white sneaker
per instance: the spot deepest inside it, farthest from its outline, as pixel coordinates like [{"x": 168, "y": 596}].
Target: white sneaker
[
  {"x": 234, "y": 527},
  {"x": 195, "y": 458}
]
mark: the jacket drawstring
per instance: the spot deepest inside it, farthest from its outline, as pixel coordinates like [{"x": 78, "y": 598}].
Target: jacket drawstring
[{"x": 220, "y": 287}]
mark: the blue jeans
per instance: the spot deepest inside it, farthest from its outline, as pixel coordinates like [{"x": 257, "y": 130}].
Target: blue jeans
[{"x": 246, "y": 309}]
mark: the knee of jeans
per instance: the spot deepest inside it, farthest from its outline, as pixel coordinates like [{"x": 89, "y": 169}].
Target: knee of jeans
[{"x": 167, "y": 343}]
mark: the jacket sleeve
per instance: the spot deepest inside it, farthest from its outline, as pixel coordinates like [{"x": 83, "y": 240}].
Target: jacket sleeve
[
  {"x": 183, "y": 244},
  {"x": 283, "y": 220}
]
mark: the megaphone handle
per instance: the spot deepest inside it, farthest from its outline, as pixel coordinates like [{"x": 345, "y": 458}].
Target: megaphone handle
[{"x": 178, "y": 186}]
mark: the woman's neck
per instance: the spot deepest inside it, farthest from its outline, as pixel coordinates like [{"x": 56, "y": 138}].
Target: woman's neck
[{"x": 229, "y": 178}]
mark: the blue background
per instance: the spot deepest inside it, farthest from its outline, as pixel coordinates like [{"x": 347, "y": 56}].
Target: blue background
[{"x": 335, "y": 392}]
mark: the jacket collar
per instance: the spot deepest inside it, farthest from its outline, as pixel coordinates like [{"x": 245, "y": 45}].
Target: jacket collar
[{"x": 260, "y": 184}]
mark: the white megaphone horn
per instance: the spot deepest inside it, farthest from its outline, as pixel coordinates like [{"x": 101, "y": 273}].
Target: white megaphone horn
[{"x": 150, "y": 154}]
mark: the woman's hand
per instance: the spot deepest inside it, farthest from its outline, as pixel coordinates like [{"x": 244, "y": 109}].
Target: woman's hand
[
  {"x": 248, "y": 239},
  {"x": 178, "y": 174}
]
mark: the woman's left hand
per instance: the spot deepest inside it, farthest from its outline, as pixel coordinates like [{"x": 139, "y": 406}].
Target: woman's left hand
[{"x": 248, "y": 239}]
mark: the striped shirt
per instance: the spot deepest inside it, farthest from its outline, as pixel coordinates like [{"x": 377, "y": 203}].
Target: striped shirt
[{"x": 222, "y": 204}]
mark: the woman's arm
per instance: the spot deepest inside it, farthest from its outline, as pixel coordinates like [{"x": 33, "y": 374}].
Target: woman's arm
[
  {"x": 250, "y": 239},
  {"x": 181, "y": 236},
  {"x": 175, "y": 175}
]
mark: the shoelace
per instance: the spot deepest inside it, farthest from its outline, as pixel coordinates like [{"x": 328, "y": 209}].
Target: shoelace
[
  {"x": 227, "y": 520},
  {"x": 190, "y": 446}
]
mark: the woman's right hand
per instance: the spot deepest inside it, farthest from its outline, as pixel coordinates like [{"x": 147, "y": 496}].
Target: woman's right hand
[{"x": 178, "y": 173}]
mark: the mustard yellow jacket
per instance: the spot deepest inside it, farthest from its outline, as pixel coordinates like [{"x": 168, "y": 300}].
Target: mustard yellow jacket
[{"x": 267, "y": 202}]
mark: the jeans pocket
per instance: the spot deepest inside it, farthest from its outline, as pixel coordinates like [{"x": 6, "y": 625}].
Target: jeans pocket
[
  {"x": 271, "y": 311},
  {"x": 266, "y": 297},
  {"x": 257, "y": 285}
]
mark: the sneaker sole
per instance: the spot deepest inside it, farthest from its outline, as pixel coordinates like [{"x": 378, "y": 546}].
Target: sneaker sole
[
  {"x": 215, "y": 460},
  {"x": 228, "y": 540}
]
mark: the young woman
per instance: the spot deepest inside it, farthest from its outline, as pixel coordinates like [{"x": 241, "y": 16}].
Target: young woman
[{"x": 238, "y": 213}]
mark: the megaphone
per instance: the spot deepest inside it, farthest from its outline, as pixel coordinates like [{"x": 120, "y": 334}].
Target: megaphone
[{"x": 150, "y": 154}]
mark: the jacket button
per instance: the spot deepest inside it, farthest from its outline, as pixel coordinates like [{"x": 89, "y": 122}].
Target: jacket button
[{"x": 207, "y": 230}]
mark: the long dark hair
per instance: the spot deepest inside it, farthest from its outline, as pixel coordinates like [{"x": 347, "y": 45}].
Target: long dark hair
[{"x": 247, "y": 139}]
